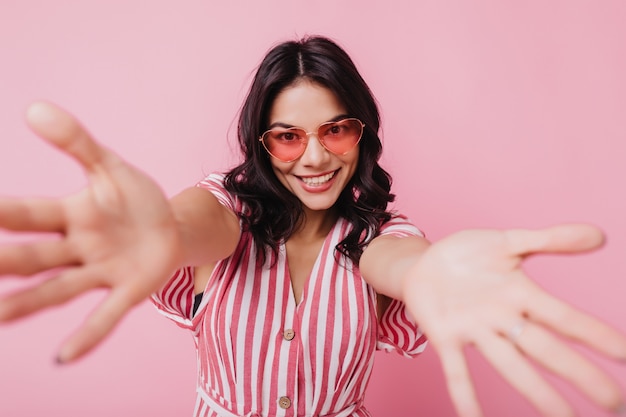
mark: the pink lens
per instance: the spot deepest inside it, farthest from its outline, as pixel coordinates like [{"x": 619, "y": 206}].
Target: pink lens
[
  {"x": 340, "y": 137},
  {"x": 285, "y": 144}
]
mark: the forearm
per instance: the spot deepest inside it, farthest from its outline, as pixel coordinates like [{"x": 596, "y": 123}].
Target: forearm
[
  {"x": 387, "y": 260},
  {"x": 208, "y": 230}
]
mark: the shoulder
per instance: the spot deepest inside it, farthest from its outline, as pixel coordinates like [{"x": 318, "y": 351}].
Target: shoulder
[
  {"x": 400, "y": 225},
  {"x": 212, "y": 181},
  {"x": 215, "y": 183}
]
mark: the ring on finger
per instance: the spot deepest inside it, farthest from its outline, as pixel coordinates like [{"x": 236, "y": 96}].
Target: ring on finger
[{"x": 515, "y": 332}]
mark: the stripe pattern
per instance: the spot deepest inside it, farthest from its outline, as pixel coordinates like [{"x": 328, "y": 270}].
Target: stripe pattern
[{"x": 260, "y": 353}]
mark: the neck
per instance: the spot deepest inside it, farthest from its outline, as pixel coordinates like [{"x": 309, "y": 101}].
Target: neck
[{"x": 316, "y": 224}]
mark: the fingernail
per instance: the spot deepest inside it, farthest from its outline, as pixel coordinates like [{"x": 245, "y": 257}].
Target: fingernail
[
  {"x": 59, "y": 361},
  {"x": 620, "y": 410}
]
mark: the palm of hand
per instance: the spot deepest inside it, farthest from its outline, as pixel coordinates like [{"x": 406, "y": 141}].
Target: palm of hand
[
  {"x": 471, "y": 290},
  {"x": 469, "y": 273},
  {"x": 122, "y": 223},
  {"x": 118, "y": 233}
]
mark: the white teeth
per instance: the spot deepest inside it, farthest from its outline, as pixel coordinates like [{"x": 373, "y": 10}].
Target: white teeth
[{"x": 317, "y": 181}]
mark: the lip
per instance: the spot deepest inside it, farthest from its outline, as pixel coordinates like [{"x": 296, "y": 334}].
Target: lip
[
  {"x": 320, "y": 188},
  {"x": 320, "y": 174}
]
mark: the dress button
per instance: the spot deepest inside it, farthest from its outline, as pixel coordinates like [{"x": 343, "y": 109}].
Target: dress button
[
  {"x": 289, "y": 334},
  {"x": 284, "y": 402}
]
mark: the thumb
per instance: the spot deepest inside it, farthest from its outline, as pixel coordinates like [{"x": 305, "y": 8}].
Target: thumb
[{"x": 566, "y": 238}]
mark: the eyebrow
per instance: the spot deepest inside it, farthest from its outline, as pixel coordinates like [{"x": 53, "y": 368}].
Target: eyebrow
[{"x": 288, "y": 126}]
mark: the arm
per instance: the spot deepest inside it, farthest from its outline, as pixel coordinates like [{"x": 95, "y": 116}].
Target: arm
[
  {"x": 209, "y": 231},
  {"x": 386, "y": 262},
  {"x": 469, "y": 289}
]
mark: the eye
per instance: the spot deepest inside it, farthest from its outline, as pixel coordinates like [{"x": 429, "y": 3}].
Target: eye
[
  {"x": 288, "y": 136},
  {"x": 332, "y": 129},
  {"x": 335, "y": 129}
]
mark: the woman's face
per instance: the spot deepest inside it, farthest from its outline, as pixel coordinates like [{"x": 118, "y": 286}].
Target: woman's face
[{"x": 318, "y": 177}]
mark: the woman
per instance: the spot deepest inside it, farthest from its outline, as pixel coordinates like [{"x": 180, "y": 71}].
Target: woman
[{"x": 297, "y": 268}]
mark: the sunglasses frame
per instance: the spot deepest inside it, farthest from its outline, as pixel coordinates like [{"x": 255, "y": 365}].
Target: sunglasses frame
[{"x": 305, "y": 139}]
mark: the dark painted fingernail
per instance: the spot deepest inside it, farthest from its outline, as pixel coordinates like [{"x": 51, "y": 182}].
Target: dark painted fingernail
[
  {"x": 59, "y": 361},
  {"x": 620, "y": 410}
]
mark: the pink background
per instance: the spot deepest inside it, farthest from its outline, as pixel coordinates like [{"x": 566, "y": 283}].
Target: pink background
[{"x": 495, "y": 114}]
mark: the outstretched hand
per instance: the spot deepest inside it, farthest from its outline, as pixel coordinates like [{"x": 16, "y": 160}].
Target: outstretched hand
[
  {"x": 117, "y": 233},
  {"x": 472, "y": 290}
]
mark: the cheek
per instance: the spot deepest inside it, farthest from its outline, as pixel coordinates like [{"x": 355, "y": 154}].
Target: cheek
[
  {"x": 353, "y": 161},
  {"x": 280, "y": 172}
]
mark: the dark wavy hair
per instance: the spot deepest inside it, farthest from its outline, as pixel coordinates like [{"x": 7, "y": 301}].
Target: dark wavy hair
[{"x": 272, "y": 212}]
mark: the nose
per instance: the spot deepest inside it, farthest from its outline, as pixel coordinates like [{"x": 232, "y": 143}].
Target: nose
[{"x": 315, "y": 153}]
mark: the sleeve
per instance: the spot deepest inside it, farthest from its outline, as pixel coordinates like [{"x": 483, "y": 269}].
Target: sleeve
[
  {"x": 176, "y": 298},
  {"x": 397, "y": 331}
]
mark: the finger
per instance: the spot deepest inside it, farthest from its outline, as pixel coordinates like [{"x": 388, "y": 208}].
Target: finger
[
  {"x": 563, "y": 361},
  {"x": 31, "y": 258},
  {"x": 65, "y": 132},
  {"x": 459, "y": 382},
  {"x": 521, "y": 375},
  {"x": 575, "y": 324},
  {"x": 558, "y": 239},
  {"x": 51, "y": 292},
  {"x": 31, "y": 215},
  {"x": 97, "y": 326}
]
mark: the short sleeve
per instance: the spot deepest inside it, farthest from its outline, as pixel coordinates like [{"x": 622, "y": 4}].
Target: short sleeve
[
  {"x": 176, "y": 298},
  {"x": 215, "y": 184},
  {"x": 400, "y": 226},
  {"x": 397, "y": 331}
]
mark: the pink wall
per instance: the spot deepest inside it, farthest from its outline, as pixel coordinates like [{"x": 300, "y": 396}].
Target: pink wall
[{"x": 495, "y": 114}]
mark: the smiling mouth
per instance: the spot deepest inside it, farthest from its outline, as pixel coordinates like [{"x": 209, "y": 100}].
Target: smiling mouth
[{"x": 319, "y": 180}]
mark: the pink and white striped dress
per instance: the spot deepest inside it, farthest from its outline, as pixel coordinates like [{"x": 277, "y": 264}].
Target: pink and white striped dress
[{"x": 261, "y": 354}]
